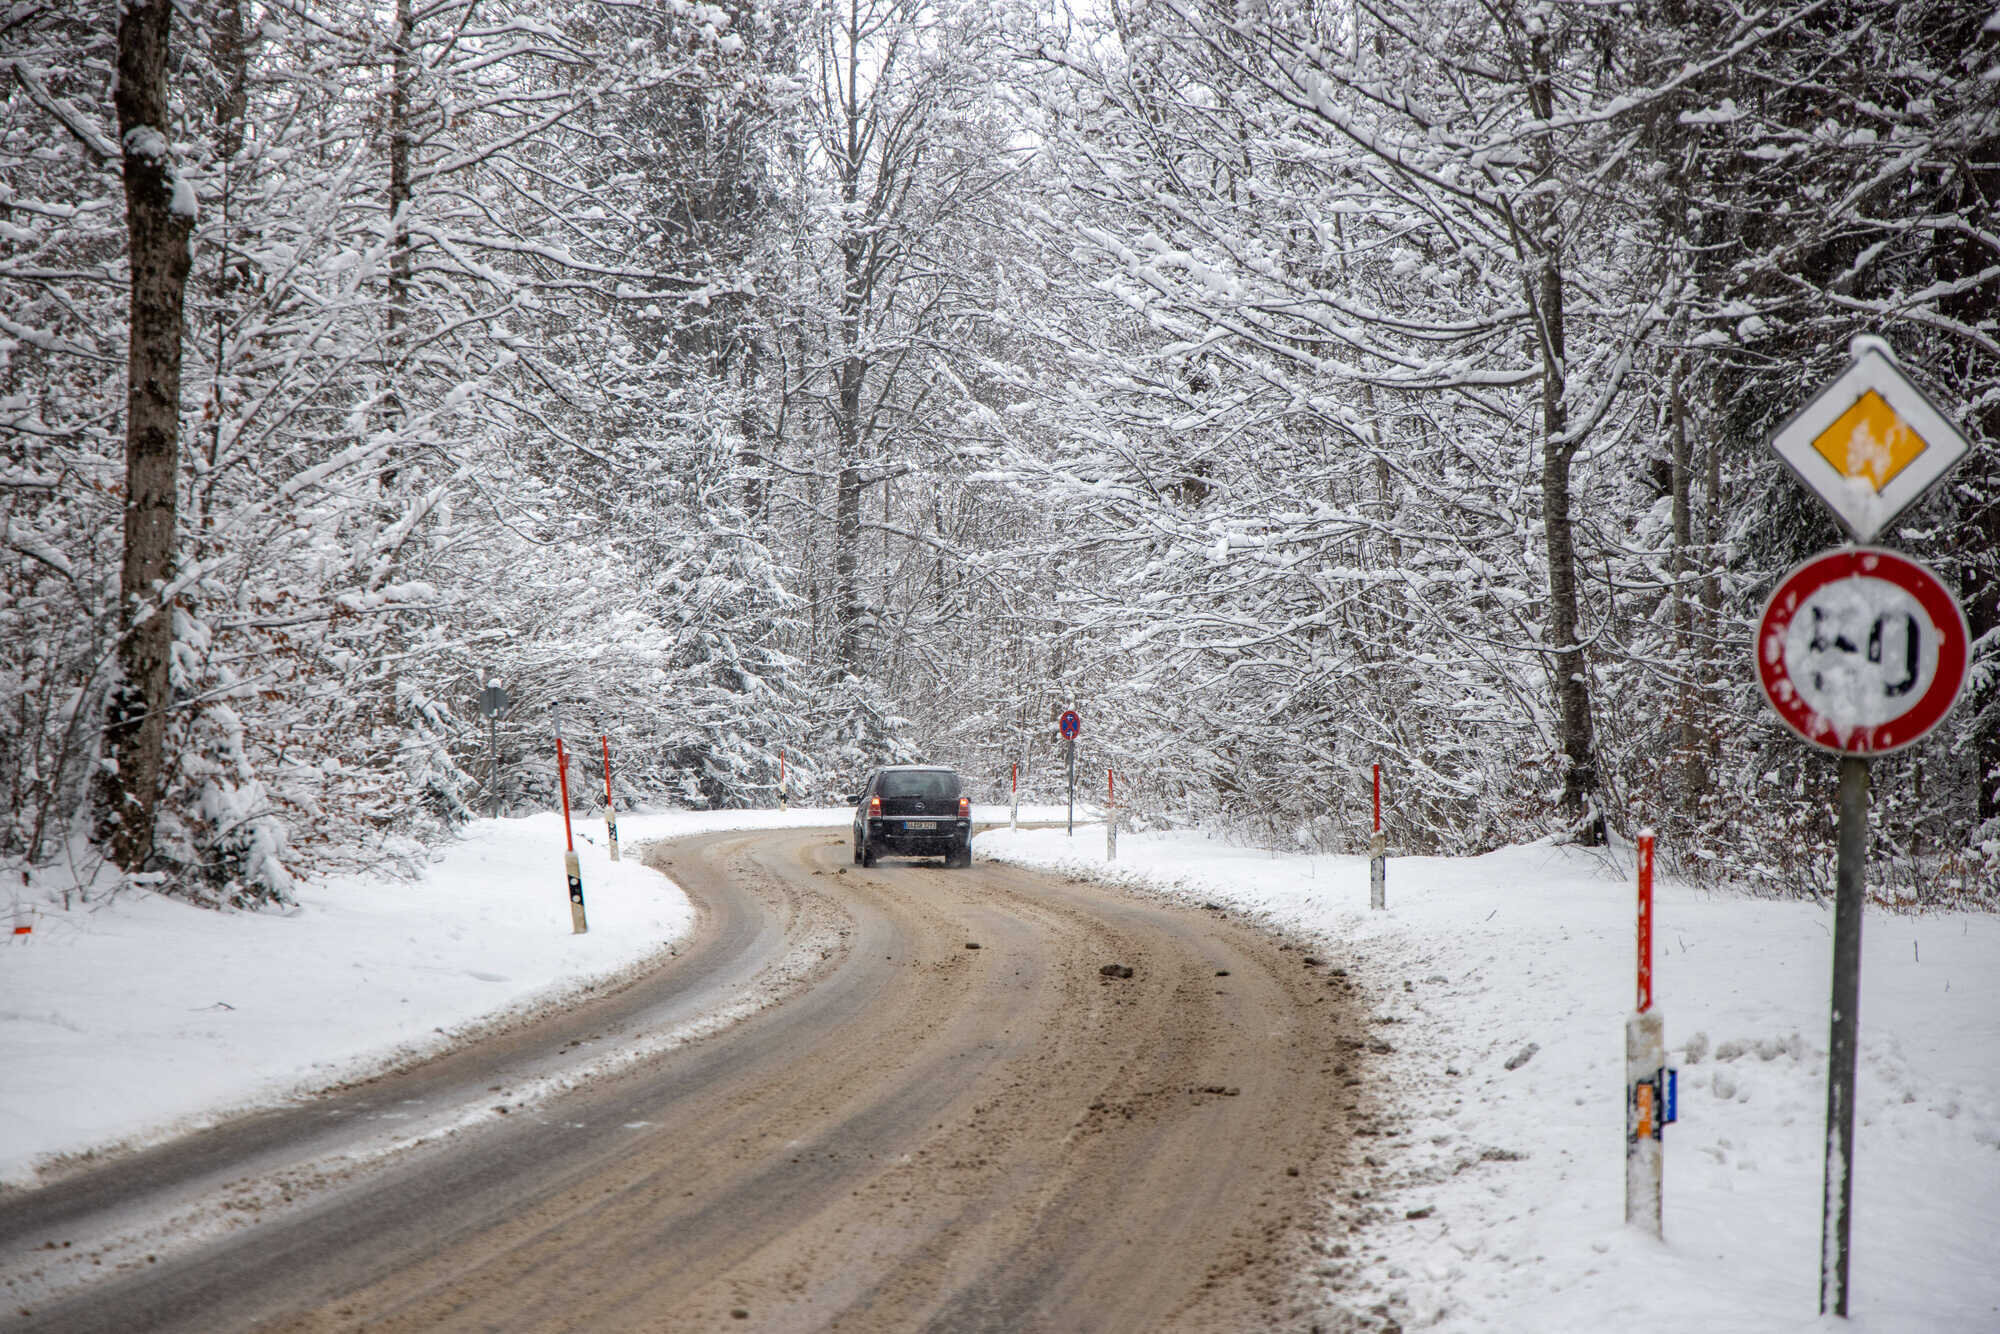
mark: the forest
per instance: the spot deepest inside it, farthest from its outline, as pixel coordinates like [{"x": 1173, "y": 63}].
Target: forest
[{"x": 1289, "y": 386}]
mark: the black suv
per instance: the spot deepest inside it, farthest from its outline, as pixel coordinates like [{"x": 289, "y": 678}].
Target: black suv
[{"x": 913, "y": 810}]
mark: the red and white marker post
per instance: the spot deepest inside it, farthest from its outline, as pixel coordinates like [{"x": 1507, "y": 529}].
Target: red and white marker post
[
  {"x": 1014, "y": 810},
  {"x": 1110, "y": 816},
  {"x": 1378, "y": 852},
  {"x": 1649, "y": 1085},
  {"x": 610, "y": 812},
  {"x": 571, "y": 866}
]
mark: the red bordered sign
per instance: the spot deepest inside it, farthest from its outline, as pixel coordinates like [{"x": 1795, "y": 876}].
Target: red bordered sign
[
  {"x": 1862, "y": 651},
  {"x": 1070, "y": 723}
]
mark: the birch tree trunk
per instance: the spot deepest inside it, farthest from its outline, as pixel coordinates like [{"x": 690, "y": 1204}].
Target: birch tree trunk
[{"x": 157, "y": 223}]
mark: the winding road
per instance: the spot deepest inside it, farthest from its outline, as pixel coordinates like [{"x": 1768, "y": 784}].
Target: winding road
[{"x": 887, "y": 1099}]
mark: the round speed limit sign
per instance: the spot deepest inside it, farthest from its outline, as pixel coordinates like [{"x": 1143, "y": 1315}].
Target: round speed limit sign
[{"x": 1862, "y": 650}]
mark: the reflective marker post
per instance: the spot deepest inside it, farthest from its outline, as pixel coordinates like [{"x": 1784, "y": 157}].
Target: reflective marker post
[
  {"x": 1649, "y": 1085},
  {"x": 1014, "y": 812},
  {"x": 1110, "y": 816},
  {"x": 1378, "y": 853},
  {"x": 571, "y": 866},
  {"x": 610, "y": 813}
]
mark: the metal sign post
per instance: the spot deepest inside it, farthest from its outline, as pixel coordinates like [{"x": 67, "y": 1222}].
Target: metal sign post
[
  {"x": 1071, "y": 724},
  {"x": 1070, "y": 760},
  {"x": 493, "y": 703},
  {"x": 1860, "y": 651}
]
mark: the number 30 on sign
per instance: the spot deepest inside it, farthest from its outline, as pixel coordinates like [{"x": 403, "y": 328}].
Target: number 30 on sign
[{"x": 1862, "y": 650}]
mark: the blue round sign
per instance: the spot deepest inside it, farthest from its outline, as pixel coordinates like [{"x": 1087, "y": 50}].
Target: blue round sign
[{"x": 1071, "y": 724}]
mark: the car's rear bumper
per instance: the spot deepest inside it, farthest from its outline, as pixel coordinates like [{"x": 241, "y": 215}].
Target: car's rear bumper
[{"x": 893, "y": 834}]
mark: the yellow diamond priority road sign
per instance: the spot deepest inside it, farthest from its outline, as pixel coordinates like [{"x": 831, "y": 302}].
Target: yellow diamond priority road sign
[{"x": 1870, "y": 443}]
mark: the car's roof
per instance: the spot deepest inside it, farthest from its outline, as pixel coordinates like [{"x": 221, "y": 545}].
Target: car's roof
[{"x": 917, "y": 768}]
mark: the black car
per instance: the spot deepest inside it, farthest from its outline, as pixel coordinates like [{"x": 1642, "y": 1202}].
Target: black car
[{"x": 913, "y": 810}]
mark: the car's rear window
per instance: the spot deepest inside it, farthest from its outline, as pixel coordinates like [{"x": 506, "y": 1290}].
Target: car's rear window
[{"x": 940, "y": 784}]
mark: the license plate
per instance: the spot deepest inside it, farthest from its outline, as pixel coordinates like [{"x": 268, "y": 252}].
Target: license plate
[{"x": 920, "y": 824}]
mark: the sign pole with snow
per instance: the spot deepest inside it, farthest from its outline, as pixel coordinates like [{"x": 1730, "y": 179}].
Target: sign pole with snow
[
  {"x": 1378, "y": 852},
  {"x": 493, "y": 703},
  {"x": 571, "y": 866},
  {"x": 1071, "y": 724},
  {"x": 1860, "y": 651},
  {"x": 610, "y": 811}
]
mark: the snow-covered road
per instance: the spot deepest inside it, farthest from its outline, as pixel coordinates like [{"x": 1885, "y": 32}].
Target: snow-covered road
[{"x": 1496, "y": 1203}]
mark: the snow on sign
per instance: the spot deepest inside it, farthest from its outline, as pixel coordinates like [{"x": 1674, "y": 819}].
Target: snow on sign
[
  {"x": 1861, "y": 650},
  {"x": 1870, "y": 443}
]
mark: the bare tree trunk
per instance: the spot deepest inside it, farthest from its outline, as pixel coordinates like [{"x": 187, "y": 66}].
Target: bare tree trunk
[
  {"x": 1694, "y": 772},
  {"x": 1572, "y": 685},
  {"x": 847, "y": 517},
  {"x": 754, "y": 439},
  {"x": 157, "y": 221},
  {"x": 227, "y": 50},
  {"x": 398, "y": 315}
]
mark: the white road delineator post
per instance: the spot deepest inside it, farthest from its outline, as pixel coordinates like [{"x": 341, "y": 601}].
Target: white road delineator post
[
  {"x": 1650, "y": 1087},
  {"x": 1378, "y": 852},
  {"x": 784, "y": 784},
  {"x": 571, "y": 867},
  {"x": 1110, "y": 816},
  {"x": 610, "y": 812}
]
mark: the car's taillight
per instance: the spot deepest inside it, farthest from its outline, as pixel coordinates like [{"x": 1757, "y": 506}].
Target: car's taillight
[
  {"x": 965, "y": 808},
  {"x": 874, "y": 807}
]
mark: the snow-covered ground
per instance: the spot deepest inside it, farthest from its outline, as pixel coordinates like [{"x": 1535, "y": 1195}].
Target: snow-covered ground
[
  {"x": 1499, "y": 1202},
  {"x": 1496, "y": 1203}
]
